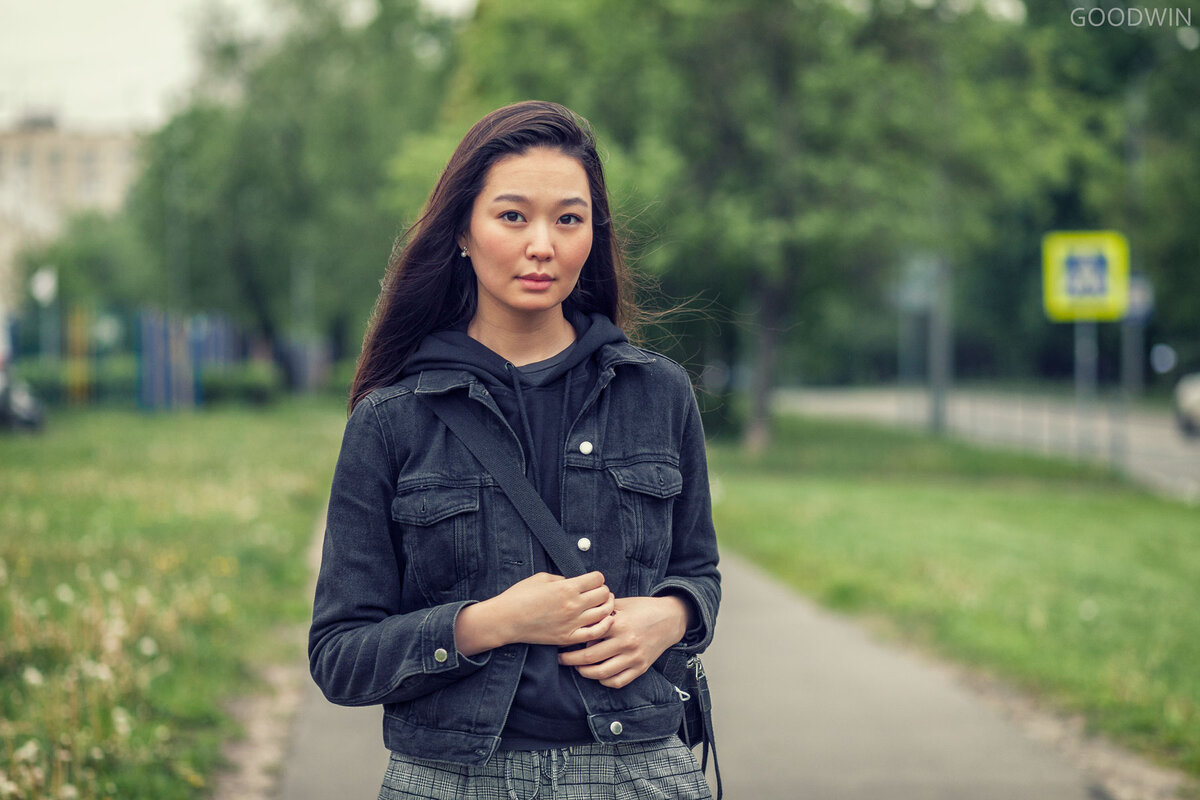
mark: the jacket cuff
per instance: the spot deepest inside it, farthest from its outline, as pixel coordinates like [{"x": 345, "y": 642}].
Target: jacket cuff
[
  {"x": 439, "y": 654},
  {"x": 697, "y": 636}
]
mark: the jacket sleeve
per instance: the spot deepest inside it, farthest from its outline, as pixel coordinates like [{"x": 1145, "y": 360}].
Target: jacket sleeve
[
  {"x": 361, "y": 649},
  {"x": 692, "y": 569}
]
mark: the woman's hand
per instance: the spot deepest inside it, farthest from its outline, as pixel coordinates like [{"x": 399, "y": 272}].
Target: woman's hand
[
  {"x": 642, "y": 629},
  {"x": 541, "y": 609}
]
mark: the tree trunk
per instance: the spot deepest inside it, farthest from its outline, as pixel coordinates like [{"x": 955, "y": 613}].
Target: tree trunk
[{"x": 770, "y": 305}]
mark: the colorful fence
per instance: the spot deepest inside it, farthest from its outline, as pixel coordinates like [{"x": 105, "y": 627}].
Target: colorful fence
[{"x": 173, "y": 350}]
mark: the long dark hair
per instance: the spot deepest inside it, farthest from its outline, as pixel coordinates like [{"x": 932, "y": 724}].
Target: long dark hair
[{"x": 429, "y": 287}]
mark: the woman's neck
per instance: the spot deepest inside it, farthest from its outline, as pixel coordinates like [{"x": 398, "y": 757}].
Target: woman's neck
[{"x": 526, "y": 339}]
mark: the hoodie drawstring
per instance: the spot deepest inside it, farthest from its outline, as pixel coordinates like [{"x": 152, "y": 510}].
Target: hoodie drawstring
[{"x": 530, "y": 445}]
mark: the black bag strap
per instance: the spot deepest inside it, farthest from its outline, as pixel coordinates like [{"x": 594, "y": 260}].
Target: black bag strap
[
  {"x": 529, "y": 504},
  {"x": 710, "y": 736}
]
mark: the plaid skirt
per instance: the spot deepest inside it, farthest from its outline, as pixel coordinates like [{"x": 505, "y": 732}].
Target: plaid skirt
[{"x": 659, "y": 770}]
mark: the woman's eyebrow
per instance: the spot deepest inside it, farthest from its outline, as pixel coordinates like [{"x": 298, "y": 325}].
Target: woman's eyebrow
[{"x": 520, "y": 198}]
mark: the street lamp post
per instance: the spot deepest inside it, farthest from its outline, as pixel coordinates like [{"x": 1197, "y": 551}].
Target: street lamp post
[{"x": 44, "y": 288}]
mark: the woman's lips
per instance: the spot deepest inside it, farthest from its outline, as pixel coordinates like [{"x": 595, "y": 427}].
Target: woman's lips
[{"x": 536, "y": 281}]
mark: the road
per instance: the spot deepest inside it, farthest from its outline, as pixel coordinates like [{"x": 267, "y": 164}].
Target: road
[{"x": 1145, "y": 445}]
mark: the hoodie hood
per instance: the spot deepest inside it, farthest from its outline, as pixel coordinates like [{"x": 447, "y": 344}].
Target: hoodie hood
[
  {"x": 454, "y": 349},
  {"x": 539, "y": 400}
]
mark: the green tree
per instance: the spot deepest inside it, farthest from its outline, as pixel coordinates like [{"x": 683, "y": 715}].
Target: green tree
[
  {"x": 263, "y": 196},
  {"x": 1125, "y": 145},
  {"x": 101, "y": 261},
  {"x": 788, "y": 156}
]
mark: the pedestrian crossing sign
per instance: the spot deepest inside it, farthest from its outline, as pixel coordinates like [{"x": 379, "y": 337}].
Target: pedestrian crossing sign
[{"x": 1085, "y": 276}]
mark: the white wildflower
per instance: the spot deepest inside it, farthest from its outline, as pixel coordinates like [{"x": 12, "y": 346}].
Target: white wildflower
[
  {"x": 33, "y": 676},
  {"x": 65, "y": 594},
  {"x": 96, "y": 754},
  {"x": 68, "y": 792},
  {"x": 115, "y": 631},
  {"x": 27, "y": 752},
  {"x": 148, "y": 647},
  {"x": 143, "y": 597},
  {"x": 122, "y": 722},
  {"x": 97, "y": 671},
  {"x": 7, "y": 787},
  {"x": 110, "y": 581}
]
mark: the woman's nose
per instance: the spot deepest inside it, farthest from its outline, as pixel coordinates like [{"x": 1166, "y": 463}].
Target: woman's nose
[{"x": 540, "y": 247}]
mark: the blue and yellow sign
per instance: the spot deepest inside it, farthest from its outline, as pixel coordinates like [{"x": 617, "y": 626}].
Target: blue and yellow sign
[{"x": 1085, "y": 276}]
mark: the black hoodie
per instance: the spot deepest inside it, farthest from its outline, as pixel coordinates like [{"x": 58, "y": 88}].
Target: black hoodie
[{"x": 540, "y": 402}]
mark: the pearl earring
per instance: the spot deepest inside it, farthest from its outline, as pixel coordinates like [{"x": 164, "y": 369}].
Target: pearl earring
[{"x": 463, "y": 254}]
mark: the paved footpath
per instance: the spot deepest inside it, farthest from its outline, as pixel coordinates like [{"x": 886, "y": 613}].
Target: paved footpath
[{"x": 808, "y": 706}]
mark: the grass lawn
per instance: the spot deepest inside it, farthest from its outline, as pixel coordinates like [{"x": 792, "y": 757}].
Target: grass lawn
[
  {"x": 147, "y": 563},
  {"x": 1056, "y": 577}
]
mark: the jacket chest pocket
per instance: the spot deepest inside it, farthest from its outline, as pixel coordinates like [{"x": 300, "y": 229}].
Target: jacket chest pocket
[
  {"x": 440, "y": 537},
  {"x": 647, "y": 496}
]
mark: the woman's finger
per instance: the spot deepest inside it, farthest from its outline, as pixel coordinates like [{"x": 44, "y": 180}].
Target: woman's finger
[
  {"x": 614, "y": 672},
  {"x": 594, "y": 597},
  {"x": 589, "y": 633},
  {"x": 604, "y": 669},
  {"x": 592, "y": 654},
  {"x": 621, "y": 679},
  {"x": 595, "y": 614},
  {"x": 587, "y": 581}
]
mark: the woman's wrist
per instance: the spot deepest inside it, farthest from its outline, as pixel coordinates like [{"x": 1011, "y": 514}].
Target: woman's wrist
[
  {"x": 478, "y": 628},
  {"x": 681, "y": 611}
]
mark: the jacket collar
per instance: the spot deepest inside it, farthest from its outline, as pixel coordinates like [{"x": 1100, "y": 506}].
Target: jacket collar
[{"x": 440, "y": 381}]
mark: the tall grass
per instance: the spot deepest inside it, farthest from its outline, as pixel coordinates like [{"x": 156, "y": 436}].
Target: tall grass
[{"x": 144, "y": 563}]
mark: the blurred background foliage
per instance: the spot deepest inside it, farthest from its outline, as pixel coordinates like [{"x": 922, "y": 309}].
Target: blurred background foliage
[{"x": 777, "y": 166}]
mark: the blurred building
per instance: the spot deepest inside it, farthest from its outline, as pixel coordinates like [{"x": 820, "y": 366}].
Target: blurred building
[{"x": 46, "y": 173}]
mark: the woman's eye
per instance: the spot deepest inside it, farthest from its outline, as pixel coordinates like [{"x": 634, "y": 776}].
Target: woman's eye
[
  {"x": 570, "y": 219},
  {"x": 511, "y": 216}
]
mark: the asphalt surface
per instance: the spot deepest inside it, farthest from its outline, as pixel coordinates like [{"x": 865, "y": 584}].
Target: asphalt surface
[
  {"x": 1146, "y": 445},
  {"x": 807, "y": 705}
]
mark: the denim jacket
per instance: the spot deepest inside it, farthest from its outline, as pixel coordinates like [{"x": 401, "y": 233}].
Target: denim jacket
[{"x": 417, "y": 529}]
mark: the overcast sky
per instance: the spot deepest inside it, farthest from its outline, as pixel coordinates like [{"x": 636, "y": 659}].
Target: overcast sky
[{"x": 105, "y": 63}]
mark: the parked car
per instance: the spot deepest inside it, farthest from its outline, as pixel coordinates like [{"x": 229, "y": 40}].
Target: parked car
[
  {"x": 19, "y": 409},
  {"x": 1187, "y": 404}
]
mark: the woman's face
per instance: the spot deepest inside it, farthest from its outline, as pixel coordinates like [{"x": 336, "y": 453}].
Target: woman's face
[{"x": 530, "y": 233}]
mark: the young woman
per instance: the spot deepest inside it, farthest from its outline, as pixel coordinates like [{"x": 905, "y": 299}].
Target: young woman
[{"x": 499, "y": 677}]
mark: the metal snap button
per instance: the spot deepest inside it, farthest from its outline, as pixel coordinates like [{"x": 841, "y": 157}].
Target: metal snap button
[
  {"x": 440, "y": 655},
  {"x": 585, "y": 448},
  {"x": 584, "y": 544},
  {"x": 616, "y": 728}
]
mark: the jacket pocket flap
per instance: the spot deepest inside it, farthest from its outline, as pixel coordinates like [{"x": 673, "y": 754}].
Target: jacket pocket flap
[
  {"x": 426, "y": 505},
  {"x": 654, "y": 478}
]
